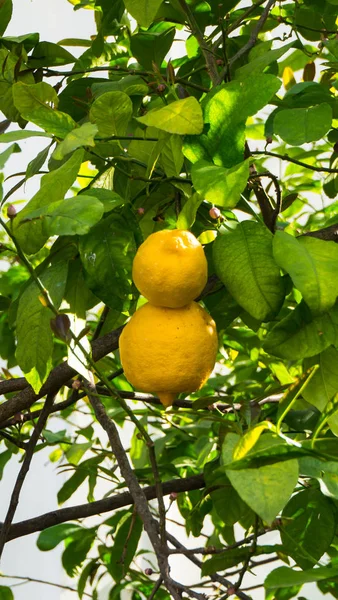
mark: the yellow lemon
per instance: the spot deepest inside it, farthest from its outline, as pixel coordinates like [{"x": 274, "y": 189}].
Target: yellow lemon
[
  {"x": 170, "y": 268},
  {"x": 167, "y": 351}
]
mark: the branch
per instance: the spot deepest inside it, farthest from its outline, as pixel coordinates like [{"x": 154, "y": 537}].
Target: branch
[
  {"x": 58, "y": 377},
  {"x": 82, "y": 511},
  {"x": 295, "y": 161},
  {"x": 140, "y": 500},
  {"x": 206, "y": 51},
  {"x": 328, "y": 234},
  {"x": 215, "y": 577},
  {"x": 273, "y": 214},
  {"x": 33, "y": 580},
  {"x": 253, "y": 39},
  {"x": 24, "y": 470}
]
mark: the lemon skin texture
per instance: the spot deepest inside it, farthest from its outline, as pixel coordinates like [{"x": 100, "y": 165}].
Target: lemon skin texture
[
  {"x": 167, "y": 351},
  {"x": 170, "y": 268}
]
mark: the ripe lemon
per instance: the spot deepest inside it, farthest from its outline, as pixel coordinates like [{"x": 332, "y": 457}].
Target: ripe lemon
[
  {"x": 167, "y": 351},
  {"x": 170, "y": 268}
]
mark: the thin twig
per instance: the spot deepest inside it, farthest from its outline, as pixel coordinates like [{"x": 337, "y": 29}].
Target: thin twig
[
  {"x": 251, "y": 553},
  {"x": 135, "y": 489},
  {"x": 42, "y": 581},
  {"x": 155, "y": 588},
  {"x": 295, "y": 161},
  {"x": 24, "y": 470},
  {"x": 252, "y": 41}
]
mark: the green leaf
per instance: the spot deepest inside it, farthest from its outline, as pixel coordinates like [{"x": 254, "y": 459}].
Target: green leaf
[
  {"x": 125, "y": 545},
  {"x": 16, "y": 136},
  {"x": 34, "y": 336},
  {"x": 85, "y": 469},
  {"x": 228, "y": 505},
  {"x": 82, "y": 136},
  {"x": 77, "y": 550},
  {"x": 150, "y": 47},
  {"x": 53, "y": 186},
  {"x": 225, "y": 111},
  {"x": 78, "y": 294},
  {"x": 6, "y": 9},
  {"x": 265, "y": 489},
  {"x": 172, "y": 156},
  {"x": 218, "y": 185},
  {"x": 297, "y": 126},
  {"x": 312, "y": 266},
  {"x": 187, "y": 216},
  {"x": 244, "y": 262},
  {"x": 53, "y": 536},
  {"x": 107, "y": 254},
  {"x": 111, "y": 112},
  {"x": 4, "y": 156},
  {"x": 37, "y": 103},
  {"x": 90, "y": 568},
  {"x": 108, "y": 198},
  {"x": 231, "y": 558},
  {"x": 325, "y": 471},
  {"x": 181, "y": 116},
  {"x": 249, "y": 439},
  {"x": 143, "y": 11},
  {"x": 324, "y": 384},
  {"x": 299, "y": 335},
  {"x": 28, "y": 98},
  {"x": 308, "y": 516},
  {"x": 4, "y": 458},
  {"x": 38, "y": 161},
  {"x": 73, "y": 216},
  {"x": 47, "y": 54},
  {"x": 286, "y": 577},
  {"x": 258, "y": 65},
  {"x": 5, "y": 592}
]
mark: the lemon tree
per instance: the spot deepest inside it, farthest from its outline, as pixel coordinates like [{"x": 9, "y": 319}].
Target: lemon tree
[{"x": 185, "y": 154}]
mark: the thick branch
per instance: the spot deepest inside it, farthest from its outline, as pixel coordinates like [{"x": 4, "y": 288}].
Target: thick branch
[
  {"x": 328, "y": 234},
  {"x": 82, "y": 511},
  {"x": 57, "y": 378}
]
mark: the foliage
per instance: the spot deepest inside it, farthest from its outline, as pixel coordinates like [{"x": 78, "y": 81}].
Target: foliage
[{"x": 137, "y": 137}]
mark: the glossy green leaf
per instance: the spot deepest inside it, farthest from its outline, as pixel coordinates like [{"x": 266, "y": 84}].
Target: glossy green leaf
[
  {"x": 107, "y": 253},
  {"x": 53, "y": 536},
  {"x": 150, "y": 47},
  {"x": 187, "y": 216},
  {"x": 244, "y": 262},
  {"x": 325, "y": 471},
  {"x": 74, "y": 216},
  {"x": 312, "y": 265},
  {"x": 16, "y": 136},
  {"x": 6, "y": 9},
  {"x": 76, "y": 552},
  {"x": 300, "y": 335},
  {"x": 111, "y": 113},
  {"x": 172, "y": 156},
  {"x": 82, "y": 471},
  {"x": 297, "y": 126},
  {"x": 53, "y": 186},
  {"x": 4, "y": 156},
  {"x": 28, "y": 98},
  {"x": 308, "y": 516},
  {"x": 181, "y": 116},
  {"x": 5, "y": 592},
  {"x": 324, "y": 384},
  {"x": 47, "y": 54},
  {"x": 125, "y": 545},
  {"x": 37, "y": 162},
  {"x": 225, "y": 111},
  {"x": 265, "y": 489},
  {"x": 143, "y": 11},
  {"x": 78, "y": 294},
  {"x": 82, "y": 136},
  {"x": 34, "y": 335},
  {"x": 218, "y": 185},
  {"x": 259, "y": 63},
  {"x": 286, "y": 577},
  {"x": 108, "y": 198}
]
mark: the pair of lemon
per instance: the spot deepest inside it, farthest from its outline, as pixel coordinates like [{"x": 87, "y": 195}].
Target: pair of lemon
[{"x": 170, "y": 344}]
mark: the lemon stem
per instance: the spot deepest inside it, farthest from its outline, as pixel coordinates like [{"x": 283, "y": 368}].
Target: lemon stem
[{"x": 167, "y": 398}]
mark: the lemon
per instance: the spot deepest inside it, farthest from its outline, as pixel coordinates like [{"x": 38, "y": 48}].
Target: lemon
[
  {"x": 167, "y": 351},
  {"x": 170, "y": 268}
]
